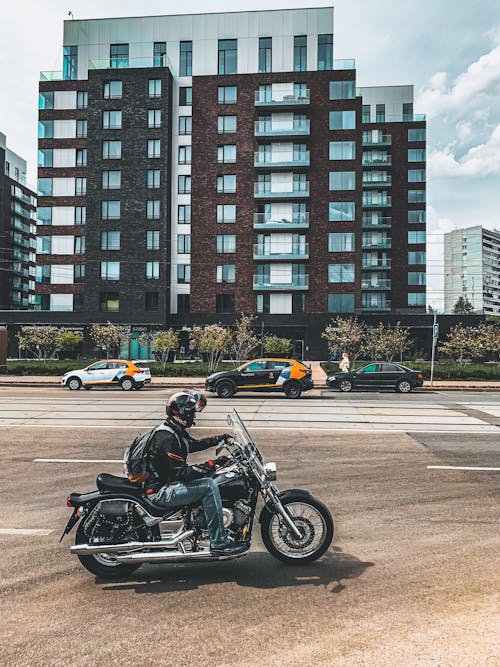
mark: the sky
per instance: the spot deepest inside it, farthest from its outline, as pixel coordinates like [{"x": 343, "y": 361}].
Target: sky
[{"x": 449, "y": 51}]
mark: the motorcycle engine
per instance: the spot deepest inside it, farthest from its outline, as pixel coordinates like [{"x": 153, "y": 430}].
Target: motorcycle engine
[
  {"x": 234, "y": 517},
  {"x": 112, "y": 521}
]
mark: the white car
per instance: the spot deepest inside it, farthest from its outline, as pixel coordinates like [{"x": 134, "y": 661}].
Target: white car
[{"x": 126, "y": 374}]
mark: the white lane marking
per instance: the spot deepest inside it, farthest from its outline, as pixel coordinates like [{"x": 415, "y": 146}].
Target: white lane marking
[
  {"x": 78, "y": 460},
  {"x": 462, "y": 468},
  {"x": 25, "y": 531}
]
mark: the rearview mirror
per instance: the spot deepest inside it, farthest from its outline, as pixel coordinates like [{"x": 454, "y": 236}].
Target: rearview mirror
[{"x": 229, "y": 420}]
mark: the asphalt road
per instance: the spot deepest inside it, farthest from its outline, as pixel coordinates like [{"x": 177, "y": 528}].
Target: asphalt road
[{"x": 412, "y": 577}]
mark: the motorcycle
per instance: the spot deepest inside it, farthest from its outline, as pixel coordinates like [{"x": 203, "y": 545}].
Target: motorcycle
[{"x": 120, "y": 528}]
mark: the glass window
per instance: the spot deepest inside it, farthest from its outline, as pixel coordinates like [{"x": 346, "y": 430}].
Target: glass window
[
  {"x": 80, "y": 215},
  {"x": 416, "y": 278},
  {"x": 342, "y": 180},
  {"x": 184, "y": 155},
  {"x": 184, "y": 185},
  {"x": 159, "y": 54},
  {"x": 416, "y": 298},
  {"x": 226, "y": 124},
  {"x": 184, "y": 214},
  {"x": 109, "y": 302},
  {"x": 111, "y": 150},
  {"x": 81, "y": 157},
  {"x": 342, "y": 120},
  {"x": 113, "y": 90},
  {"x": 416, "y": 237},
  {"x": 152, "y": 301},
  {"x": 343, "y": 90},
  {"x": 118, "y": 55},
  {"x": 153, "y": 209},
  {"x": 152, "y": 270},
  {"x": 227, "y": 94},
  {"x": 408, "y": 111},
  {"x": 226, "y": 183},
  {"x": 110, "y": 270},
  {"x": 42, "y": 274},
  {"x": 226, "y": 243},
  {"x": 226, "y": 213},
  {"x": 183, "y": 273},
  {"x": 226, "y": 273},
  {"x": 70, "y": 63},
  {"x": 46, "y": 100},
  {"x": 185, "y": 124},
  {"x": 82, "y": 99},
  {"x": 365, "y": 113},
  {"x": 325, "y": 51},
  {"x": 416, "y": 196},
  {"x": 153, "y": 240},
  {"x": 226, "y": 154},
  {"x": 417, "y": 257},
  {"x": 153, "y": 178},
  {"x": 154, "y": 148},
  {"x": 416, "y": 175},
  {"x": 380, "y": 113},
  {"x": 45, "y": 157},
  {"x": 416, "y": 134},
  {"x": 110, "y": 210},
  {"x": 154, "y": 87},
  {"x": 111, "y": 180},
  {"x": 341, "y": 273},
  {"x": 341, "y": 210},
  {"x": 112, "y": 120},
  {"x": 44, "y": 215},
  {"x": 110, "y": 240},
  {"x": 300, "y": 53},
  {"x": 154, "y": 118},
  {"x": 265, "y": 54},
  {"x": 228, "y": 56},
  {"x": 183, "y": 303},
  {"x": 184, "y": 244},
  {"x": 416, "y": 155},
  {"x": 185, "y": 96},
  {"x": 80, "y": 186},
  {"x": 340, "y": 242},
  {"x": 81, "y": 128},
  {"x": 45, "y": 187},
  {"x": 43, "y": 245},
  {"x": 342, "y": 150},
  {"x": 341, "y": 303},
  {"x": 224, "y": 303},
  {"x": 186, "y": 59},
  {"x": 416, "y": 216},
  {"x": 45, "y": 129}
]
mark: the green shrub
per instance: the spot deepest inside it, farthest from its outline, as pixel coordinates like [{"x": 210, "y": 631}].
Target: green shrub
[{"x": 55, "y": 367}]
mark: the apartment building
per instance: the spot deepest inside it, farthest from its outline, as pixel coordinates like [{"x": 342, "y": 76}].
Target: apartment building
[
  {"x": 472, "y": 269},
  {"x": 17, "y": 232},
  {"x": 219, "y": 163}
]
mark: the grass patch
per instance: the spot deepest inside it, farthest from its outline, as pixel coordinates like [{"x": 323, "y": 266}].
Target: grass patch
[
  {"x": 442, "y": 371},
  {"x": 56, "y": 367}
]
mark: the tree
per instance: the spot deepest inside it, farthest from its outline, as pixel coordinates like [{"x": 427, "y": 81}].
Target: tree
[
  {"x": 163, "y": 343},
  {"x": 345, "y": 335},
  {"x": 277, "y": 347},
  {"x": 459, "y": 344},
  {"x": 68, "y": 341},
  {"x": 40, "y": 341},
  {"x": 244, "y": 341},
  {"x": 213, "y": 340},
  {"x": 463, "y": 306},
  {"x": 489, "y": 339},
  {"x": 385, "y": 343},
  {"x": 109, "y": 337}
]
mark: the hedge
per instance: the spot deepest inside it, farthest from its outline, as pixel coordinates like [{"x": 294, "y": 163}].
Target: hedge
[{"x": 55, "y": 367}]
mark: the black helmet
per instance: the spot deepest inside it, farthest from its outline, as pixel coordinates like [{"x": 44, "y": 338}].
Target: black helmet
[{"x": 182, "y": 406}]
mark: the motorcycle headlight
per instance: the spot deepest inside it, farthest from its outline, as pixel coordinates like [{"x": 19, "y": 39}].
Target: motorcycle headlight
[{"x": 270, "y": 469}]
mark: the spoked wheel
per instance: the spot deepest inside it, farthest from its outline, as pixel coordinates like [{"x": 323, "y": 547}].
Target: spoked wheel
[
  {"x": 315, "y": 523},
  {"x": 345, "y": 385},
  {"x": 403, "y": 387},
  {"x": 103, "y": 565}
]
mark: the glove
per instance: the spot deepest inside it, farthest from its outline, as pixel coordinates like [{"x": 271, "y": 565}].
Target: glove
[
  {"x": 222, "y": 461},
  {"x": 210, "y": 465},
  {"x": 216, "y": 439}
]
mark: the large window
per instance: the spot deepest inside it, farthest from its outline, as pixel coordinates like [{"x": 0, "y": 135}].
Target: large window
[
  {"x": 111, "y": 180},
  {"x": 227, "y": 94},
  {"x": 153, "y": 209},
  {"x": 110, "y": 270},
  {"x": 152, "y": 270},
  {"x": 341, "y": 303},
  {"x": 226, "y": 213},
  {"x": 416, "y": 155},
  {"x": 416, "y": 237},
  {"x": 416, "y": 298},
  {"x": 81, "y": 128},
  {"x": 153, "y": 180},
  {"x": 224, "y": 303},
  {"x": 416, "y": 196},
  {"x": 110, "y": 210},
  {"x": 416, "y": 216},
  {"x": 80, "y": 215},
  {"x": 80, "y": 186},
  {"x": 159, "y": 54},
  {"x": 300, "y": 53},
  {"x": 416, "y": 175},
  {"x": 183, "y": 273},
  {"x": 45, "y": 129},
  {"x": 70, "y": 63},
  {"x": 186, "y": 59},
  {"x": 342, "y": 150},
  {"x": 112, "y": 90},
  {"x": 184, "y": 184},
  {"x": 341, "y": 273},
  {"x": 417, "y": 257},
  {"x": 152, "y": 301},
  {"x": 45, "y": 187},
  {"x": 408, "y": 111},
  {"x": 228, "y": 56},
  {"x": 109, "y": 302},
  {"x": 153, "y": 240},
  {"x": 81, "y": 157},
  {"x": 380, "y": 113},
  {"x": 184, "y": 214},
  {"x": 342, "y": 120},
  {"x": 226, "y": 273},
  {"x": 340, "y": 242},
  {"x": 45, "y": 157},
  {"x": 111, "y": 150},
  {"x": 417, "y": 278},
  {"x": 184, "y": 244},
  {"x": 226, "y": 124},
  {"x": 110, "y": 240},
  {"x": 43, "y": 245},
  {"x": 226, "y": 154},
  {"x": 184, "y": 156},
  {"x": 226, "y": 243},
  {"x": 342, "y": 180},
  {"x": 185, "y": 124},
  {"x": 118, "y": 55},
  {"x": 154, "y": 148},
  {"x": 185, "y": 96},
  {"x": 154, "y": 118},
  {"x": 44, "y": 215},
  {"x": 416, "y": 134},
  {"x": 46, "y": 100},
  {"x": 154, "y": 87},
  {"x": 325, "y": 51},
  {"x": 226, "y": 183},
  {"x": 343, "y": 90},
  {"x": 112, "y": 120},
  {"x": 265, "y": 54},
  {"x": 341, "y": 211}
]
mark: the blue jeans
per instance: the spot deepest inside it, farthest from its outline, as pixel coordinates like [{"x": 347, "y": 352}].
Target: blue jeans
[{"x": 178, "y": 494}]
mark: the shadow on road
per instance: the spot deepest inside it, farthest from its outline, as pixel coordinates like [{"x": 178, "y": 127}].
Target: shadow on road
[{"x": 256, "y": 570}]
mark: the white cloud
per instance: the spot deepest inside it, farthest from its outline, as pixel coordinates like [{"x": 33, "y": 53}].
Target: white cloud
[
  {"x": 480, "y": 160},
  {"x": 464, "y": 130}
]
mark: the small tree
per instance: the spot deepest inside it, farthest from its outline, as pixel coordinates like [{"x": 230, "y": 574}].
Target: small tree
[
  {"x": 463, "y": 306},
  {"x": 40, "y": 341},
  {"x": 489, "y": 339},
  {"x": 374, "y": 346},
  {"x": 244, "y": 341},
  {"x": 163, "y": 343},
  {"x": 345, "y": 334},
  {"x": 385, "y": 343},
  {"x": 277, "y": 347},
  {"x": 459, "y": 343},
  {"x": 213, "y": 340},
  {"x": 68, "y": 341},
  {"x": 109, "y": 337}
]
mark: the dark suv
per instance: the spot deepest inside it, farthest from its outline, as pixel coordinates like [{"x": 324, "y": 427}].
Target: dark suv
[{"x": 377, "y": 375}]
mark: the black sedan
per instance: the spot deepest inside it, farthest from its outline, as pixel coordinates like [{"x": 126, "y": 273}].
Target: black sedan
[{"x": 377, "y": 375}]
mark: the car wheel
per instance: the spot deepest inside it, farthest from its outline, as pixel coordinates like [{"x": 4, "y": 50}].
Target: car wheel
[
  {"x": 74, "y": 383},
  {"x": 127, "y": 384},
  {"x": 345, "y": 385},
  {"x": 403, "y": 387},
  {"x": 225, "y": 389},
  {"x": 293, "y": 390}
]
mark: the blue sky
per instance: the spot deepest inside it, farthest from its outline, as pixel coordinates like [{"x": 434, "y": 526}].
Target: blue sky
[{"x": 449, "y": 51}]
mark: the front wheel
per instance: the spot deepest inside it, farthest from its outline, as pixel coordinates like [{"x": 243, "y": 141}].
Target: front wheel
[
  {"x": 225, "y": 389},
  {"x": 314, "y": 521},
  {"x": 74, "y": 383},
  {"x": 345, "y": 385}
]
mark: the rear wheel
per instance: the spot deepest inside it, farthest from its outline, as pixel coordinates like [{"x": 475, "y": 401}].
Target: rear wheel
[
  {"x": 345, "y": 385},
  {"x": 225, "y": 389},
  {"x": 403, "y": 387},
  {"x": 74, "y": 383},
  {"x": 103, "y": 565},
  {"x": 293, "y": 389},
  {"x": 127, "y": 384}
]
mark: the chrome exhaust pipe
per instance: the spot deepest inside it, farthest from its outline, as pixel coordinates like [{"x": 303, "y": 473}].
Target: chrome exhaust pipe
[
  {"x": 86, "y": 549},
  {"x": 162, "y": 557}
]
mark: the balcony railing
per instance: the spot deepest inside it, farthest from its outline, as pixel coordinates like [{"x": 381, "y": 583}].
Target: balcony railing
[
  {"x": 51, "y": 75},
  {"x": 130, "y": 63},
  {"x": 378, "y": 140},
  {"x": 376, "y": 286},
  {"x": 263, "y": 221},
  {"x": 377, "y": 223},
  {"x": 377, "y": 202},
  {"x": 297, "y": 283},
  {"x": 368, "y": 244},
  {"x": 377, "y": 183},
  {"x": 281, "y": 252},
  {"x": 382, "y": 306},
  {"x": 376, "y": 265},
  {"x": 348, "y": 63},
  {"x": 263, "y": 99},
  {"x": 285, "y": 160},
  {"x": 263, "y": 191},
  {"x": 265, "y": 128},
  {"x": 377, "y": 162},
  {"x": 397, "y": 118}
]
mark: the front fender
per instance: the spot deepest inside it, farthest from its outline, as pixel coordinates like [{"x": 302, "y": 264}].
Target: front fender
[{"x": 284, "y": 495}]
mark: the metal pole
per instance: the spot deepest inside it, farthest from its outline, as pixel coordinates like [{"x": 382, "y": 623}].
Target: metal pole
[{"x": 434, "y": 340}]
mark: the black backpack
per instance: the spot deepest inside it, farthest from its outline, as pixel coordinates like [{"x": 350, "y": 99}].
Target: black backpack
[{"x": 136, "y": 458}]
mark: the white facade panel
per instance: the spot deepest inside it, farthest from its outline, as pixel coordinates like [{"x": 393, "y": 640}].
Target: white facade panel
[
  {"x": 62, "y": 302},
  {"x": 280, "y": 304},
  {"x": 62, "y": 274},
  {"x": 65, "y": 99},
  {"x": 64, "y": 129},
  {"x": 281, "y": 273},
  {"x": 282, "y": 211},
  {"x": 63, "y": 187},
  {"x": 63, "y": 245},
  {"x": 281, "y": 182},
  {"x": 64, "y": 157},
  {"x": 63, "y": 215}
]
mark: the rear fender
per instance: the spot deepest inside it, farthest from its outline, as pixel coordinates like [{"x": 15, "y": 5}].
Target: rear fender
[{"x": 283, "y": 496}]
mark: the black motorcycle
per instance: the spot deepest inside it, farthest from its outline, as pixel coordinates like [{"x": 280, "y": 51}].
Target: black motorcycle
[{"x": 120, "y": 528}]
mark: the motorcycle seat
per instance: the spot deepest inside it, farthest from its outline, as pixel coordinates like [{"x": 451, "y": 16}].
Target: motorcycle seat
[{"x": 107, "y": 482}]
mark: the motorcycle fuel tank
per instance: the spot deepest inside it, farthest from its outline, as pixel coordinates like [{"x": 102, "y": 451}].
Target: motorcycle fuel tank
[{"x": 231, "y": 485}]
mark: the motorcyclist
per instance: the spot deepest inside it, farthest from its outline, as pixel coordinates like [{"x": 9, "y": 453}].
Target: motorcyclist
[{"x": 174, "y": 483}]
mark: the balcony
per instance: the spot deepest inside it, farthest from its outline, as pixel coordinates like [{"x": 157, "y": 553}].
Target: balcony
[
  {"x": 377, "y": 183},
  {"x": 377, "y": 140},
  {"x": 381, "y": 307},
  {"x": 264, "y": 283},
  {"x": 349, "y": 63},
  {"x": 281, "y": 252},
  {"x": 376, "y": 265},
  {"x": 377, "y": 223},
  {"x": 377, "y": 202},
  {"x": 51, "y": 75},
  {"x": 262, "y": 221},
  {"x": 263, "y": 191},
  {"x": 377, "y": 162},
  {"x": 374, "y": 244},
  {"x": 131, "y": 63},
  {"x": 398, "y": 118},
  {"x": 370, "y": 286},
  {"x": 285, "y": 161},
  {"x": 265, "y": 100},
  {"x": 265, "y": 128}
]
